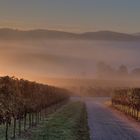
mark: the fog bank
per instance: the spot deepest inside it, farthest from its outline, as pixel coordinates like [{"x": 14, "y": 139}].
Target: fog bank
[{"x": 39, "y": 60}]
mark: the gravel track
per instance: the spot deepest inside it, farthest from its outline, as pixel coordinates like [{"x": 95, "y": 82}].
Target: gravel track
[{"x": 105, "y": 125}]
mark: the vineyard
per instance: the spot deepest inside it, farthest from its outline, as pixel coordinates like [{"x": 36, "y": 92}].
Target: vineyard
[
  {"x": 128, "y": 101},
  {"x": 25, "y": 102}
]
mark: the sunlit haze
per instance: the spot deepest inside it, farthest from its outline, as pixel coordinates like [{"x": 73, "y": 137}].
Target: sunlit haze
[{"x": 32, "y": 48}]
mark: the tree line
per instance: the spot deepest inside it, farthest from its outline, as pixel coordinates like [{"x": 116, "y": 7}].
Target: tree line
[
  {"x": 22, "y": 99},
  {"x": 128, "y": 101},
  {"x": 106, "y": 71}
]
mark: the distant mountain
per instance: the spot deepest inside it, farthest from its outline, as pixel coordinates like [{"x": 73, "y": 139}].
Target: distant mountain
[
  {"x": 6, "y": 33},
  {"x": 109, "y": 35},
  {"x": 136, "y": 34},
  {"x": 11, "y": 34}
]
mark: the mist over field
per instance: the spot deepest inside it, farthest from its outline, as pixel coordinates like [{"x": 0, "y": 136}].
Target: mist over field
[
  {"x": 40, "y": 60},
  {"x": 69, "y": 70}
]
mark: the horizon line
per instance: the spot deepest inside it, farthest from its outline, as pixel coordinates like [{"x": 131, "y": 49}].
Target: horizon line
[{"x": 66, "y": 31}]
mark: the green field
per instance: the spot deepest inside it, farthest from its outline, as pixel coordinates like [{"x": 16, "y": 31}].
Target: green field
[{"x": 69, "y": 123}]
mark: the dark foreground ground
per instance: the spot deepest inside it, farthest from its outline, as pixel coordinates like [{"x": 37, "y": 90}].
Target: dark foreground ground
[{"x": 104, "y": 124}]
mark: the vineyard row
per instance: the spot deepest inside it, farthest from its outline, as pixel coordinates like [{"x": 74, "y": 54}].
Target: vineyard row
[
  {"x": 128, "y": 101},
  {"x": 20, "y": 99}
]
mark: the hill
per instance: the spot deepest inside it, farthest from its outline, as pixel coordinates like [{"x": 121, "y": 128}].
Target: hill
[{"x": 12, "y": 34}]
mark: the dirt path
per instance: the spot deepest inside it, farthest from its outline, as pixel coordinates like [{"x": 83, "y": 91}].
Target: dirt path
[{"x": 105, "y": 125}]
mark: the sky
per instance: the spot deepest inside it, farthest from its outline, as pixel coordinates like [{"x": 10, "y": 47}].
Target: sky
[{"x": 71, "y": 15}]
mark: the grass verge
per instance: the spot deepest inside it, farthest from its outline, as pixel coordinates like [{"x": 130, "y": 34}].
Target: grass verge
[{"x": 70, "y": 123}]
